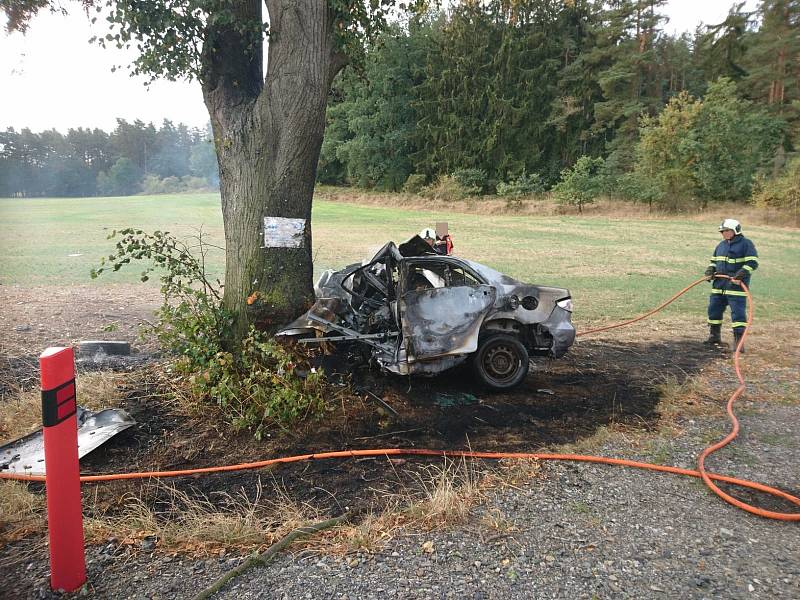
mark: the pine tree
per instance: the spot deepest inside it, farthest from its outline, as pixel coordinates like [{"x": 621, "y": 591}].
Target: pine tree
[
  {"x": 625, "y": 56},
  {"x": 773, "y": 62}
]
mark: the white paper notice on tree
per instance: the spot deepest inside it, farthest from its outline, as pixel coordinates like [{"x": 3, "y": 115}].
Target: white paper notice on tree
[{"x": 280, "y": 232}]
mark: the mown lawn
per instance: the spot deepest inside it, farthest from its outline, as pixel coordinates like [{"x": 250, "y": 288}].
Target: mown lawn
[{"x": 614, "y": 267}]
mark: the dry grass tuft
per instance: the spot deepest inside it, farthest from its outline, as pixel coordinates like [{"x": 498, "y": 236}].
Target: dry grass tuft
[
  {"x": 444, "y": 495},
  {"x": 21, "y": 511},
  {"x": 21, "y": 413},
  {"x": 370, "y": 534},
  {"x": 514, "y": 473},
  {"x": 619, "y": 435},
  {"x": 196, "y": 524},
  {"x": 689, "y": 397},
  {"x": 449, "y": 492}
]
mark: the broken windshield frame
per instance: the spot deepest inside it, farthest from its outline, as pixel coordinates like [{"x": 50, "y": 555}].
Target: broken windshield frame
[
  {"x": 448, "y": 262},
  {"x": 386, "y": 288}
]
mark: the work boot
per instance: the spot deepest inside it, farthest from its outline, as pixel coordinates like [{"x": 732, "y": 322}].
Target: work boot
[
  {"x": 714, "y": 335},
  {"x": 737, "y": 336}
]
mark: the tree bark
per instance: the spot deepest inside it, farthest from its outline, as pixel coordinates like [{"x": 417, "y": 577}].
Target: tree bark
[{"x": 268, "y": 133}]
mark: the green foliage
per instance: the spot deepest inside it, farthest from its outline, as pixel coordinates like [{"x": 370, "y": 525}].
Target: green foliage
[
  {"x": 524, "y": 185},
  {"x": 581, "y": 183},
  {"x": 782, "y": 192},
  {"x": 260, "y": 385},
  {"x": 623, "y": 57},
  {"x": 256, "y": 383},
  {"x": 179, "y": 39},
  {"x": 472, "y": 180},
  {"x": 122, "y": 179},
  {"x": 447, "y": 189},
  {"x": 489, "y": 79},
  {"x": 414, "y": 183},
  {"x": 370, "y": 137},
  {"x": 152, "y": 184},
  {"x": 169, "y": 36},
  {"x": 731, "y": 139},
  {"x": 565, "y": 79},
  {"x": 636, "y": 186},
  {"x": 203, "y": 162},
  {"x": 709, "y": 149},
  {"x": 665, "y": 166},
  {"x": 86, "y": 162}
]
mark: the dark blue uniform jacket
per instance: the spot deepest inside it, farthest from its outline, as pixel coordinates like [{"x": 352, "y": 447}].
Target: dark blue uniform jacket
[{"x": 728, "y": 258}]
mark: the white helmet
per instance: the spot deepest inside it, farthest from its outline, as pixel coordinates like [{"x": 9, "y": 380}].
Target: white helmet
[
  {"x": 427, "y": 234},
  {"x": 731, "y": 224}
]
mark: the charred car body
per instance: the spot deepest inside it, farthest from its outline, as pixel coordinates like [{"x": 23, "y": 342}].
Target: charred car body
[{"x": 416, "y": 312}]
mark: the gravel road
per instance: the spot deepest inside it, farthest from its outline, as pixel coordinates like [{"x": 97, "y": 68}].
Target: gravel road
[
  {"x": 578, "y": 531},
  {"x": 586, "y": 531}
]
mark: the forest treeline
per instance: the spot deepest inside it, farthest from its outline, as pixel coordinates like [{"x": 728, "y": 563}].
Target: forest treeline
[
  {"x": 135, "y": 157},
  {"x": 581, "y": 97}
]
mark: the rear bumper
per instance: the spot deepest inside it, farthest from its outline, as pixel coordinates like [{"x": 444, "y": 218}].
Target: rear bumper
[{"x": 559, "y": 324}]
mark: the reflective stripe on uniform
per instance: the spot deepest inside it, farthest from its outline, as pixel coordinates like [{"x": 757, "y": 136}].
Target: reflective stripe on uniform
[
  {"x": 736, "y": 324},
  {"x": 748, "y": 268},
  {"x": 728, "y": 292},
  {"x": 715, "y": 321},
  {"x": 733, "y": 260}
]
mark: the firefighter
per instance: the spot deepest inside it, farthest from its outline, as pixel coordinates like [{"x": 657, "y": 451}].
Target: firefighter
[
  {"x": 735, "y": 256},
  {"x": 443, "y": 245}
]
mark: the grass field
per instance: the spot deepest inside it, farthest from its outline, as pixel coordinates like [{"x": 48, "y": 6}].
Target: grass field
[{"x": 615, "y": 267}]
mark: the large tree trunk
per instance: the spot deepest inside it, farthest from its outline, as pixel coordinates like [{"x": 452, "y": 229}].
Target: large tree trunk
[{"x": 268, "y": 133}]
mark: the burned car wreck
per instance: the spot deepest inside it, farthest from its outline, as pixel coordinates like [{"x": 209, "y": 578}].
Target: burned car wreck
[{"x": 416, "y": 312}]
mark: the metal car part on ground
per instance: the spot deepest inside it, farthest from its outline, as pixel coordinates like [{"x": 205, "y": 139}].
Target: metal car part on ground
[
  {"x": 421, "y": 313},
  {"x": 26, "y": 454}
]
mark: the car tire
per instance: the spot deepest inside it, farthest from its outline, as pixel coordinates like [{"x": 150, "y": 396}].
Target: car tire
[{"x": 501, "y": 362}]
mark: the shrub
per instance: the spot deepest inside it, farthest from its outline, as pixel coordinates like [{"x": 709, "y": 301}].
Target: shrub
[
  {"x": 152, "y": 184},
  {"x": 255, "y": 381},
  {"x": 472, "y": 180},
  {"x": 191, "y": 183},
  {"x": 524, "y": 185},
  {"x": 256, "y": 386},
  {"x": 581, "y": 183},
  {"x": 122, "y": 179},
  {"x": 414, "y": 183},
  {"x": 446, "y": 189},
  {"x": 781, "y": 192},
  {"x": 636, "y": 186}
]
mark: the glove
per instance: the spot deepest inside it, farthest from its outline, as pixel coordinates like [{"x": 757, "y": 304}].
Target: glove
[
  {"x": 710, "y": 271},
  {"x": 740, "y": 274}
]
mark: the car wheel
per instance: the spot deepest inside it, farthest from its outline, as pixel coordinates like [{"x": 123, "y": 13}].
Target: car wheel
[{"x": 501, "y": 362}]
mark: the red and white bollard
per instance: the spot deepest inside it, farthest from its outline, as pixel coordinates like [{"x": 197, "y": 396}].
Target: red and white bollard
[{"x": 64, "y": 516}]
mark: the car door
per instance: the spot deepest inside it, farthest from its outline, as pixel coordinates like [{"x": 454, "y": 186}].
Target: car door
[{"x": 442, "y": 306}]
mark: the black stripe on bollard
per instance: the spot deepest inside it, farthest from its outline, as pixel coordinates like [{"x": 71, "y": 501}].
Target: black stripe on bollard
[{"x": 58, "y": 404}]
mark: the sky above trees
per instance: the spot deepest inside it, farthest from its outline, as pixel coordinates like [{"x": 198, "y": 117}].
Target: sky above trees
[{"x": 53, "y": 78}]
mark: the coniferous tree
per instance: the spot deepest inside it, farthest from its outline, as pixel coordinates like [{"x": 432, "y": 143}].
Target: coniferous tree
[{"x": 772, "y": 61}]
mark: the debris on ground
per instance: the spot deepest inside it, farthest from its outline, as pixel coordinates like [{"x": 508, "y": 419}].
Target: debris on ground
[{"x": 26, "y": 455}]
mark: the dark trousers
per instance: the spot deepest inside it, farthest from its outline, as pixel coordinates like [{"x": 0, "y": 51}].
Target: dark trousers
[{"x": 716, "y": 308}]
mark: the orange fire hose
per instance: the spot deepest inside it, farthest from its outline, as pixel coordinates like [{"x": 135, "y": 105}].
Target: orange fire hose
[{"x": 707, "y": 477}]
